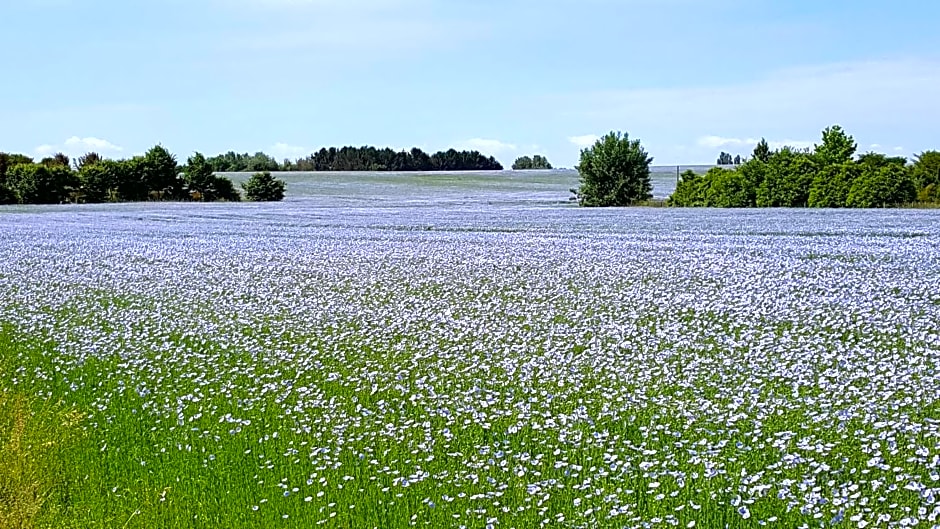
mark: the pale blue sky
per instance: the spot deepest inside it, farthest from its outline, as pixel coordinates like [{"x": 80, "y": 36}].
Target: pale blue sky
[{"x": 511, "y": 77}]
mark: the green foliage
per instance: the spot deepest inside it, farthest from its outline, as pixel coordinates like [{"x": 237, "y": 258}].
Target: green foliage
[
  {"x": 203, "y": 184},
  {"x": 787, "y": 180},
  {"x": 718, "y": 188},
  {"x": 262, "y": 187},
  {"x": 831, "y": 185},
  {"x": 232, "y": 162},
  {"x": 614, "y": 172},
  {"x": 41, "y": 184},
  {"x": 926, "y": 172},
  {"x": 90, "y": 158},
  {"x": 372, "y": 159},
  {"x": 879, "y": 187},
  {"x": 762, "y": 151},
  {"x": 837, "y": 147},
  {"x": 159, "y": 174},
  {"x": 57, "y": 159},
  {"x": 535, "y": 162},
  {"x": 100, "y": 180},
  {"x": 8, "y": 160}
]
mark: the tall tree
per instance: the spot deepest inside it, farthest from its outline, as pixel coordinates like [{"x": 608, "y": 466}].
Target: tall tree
[
  {"x": 615, "y": 171},
  {"x": 762, "y": 151},
  {"x": 837, "y": 147}
]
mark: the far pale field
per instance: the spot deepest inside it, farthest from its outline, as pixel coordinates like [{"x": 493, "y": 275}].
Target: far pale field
[{"x": 473, "y": 351}]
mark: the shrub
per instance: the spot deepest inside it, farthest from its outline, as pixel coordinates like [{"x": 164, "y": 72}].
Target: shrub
[
  {"x": 262, "y": 187},
  {"x": 614, "y": 172}
]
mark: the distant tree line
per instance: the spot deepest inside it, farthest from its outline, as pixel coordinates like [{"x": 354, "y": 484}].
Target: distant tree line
[
  {"x": 373, "y": 159},
  {"x": 535, "y": 162},
  {"x": 156, "y": 175},
  {"x": 829, "y": 175},
  {"x": 725, "y": 158}
]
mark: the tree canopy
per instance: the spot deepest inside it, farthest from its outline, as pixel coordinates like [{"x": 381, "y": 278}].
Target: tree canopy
[
  {"x": 262, "y": 187},
  {"x": 534, "y": 162},
  {"x": 156, "y": 175},
  {"x": 615, "y": 171},
  {"x": 829, "y": 175}
]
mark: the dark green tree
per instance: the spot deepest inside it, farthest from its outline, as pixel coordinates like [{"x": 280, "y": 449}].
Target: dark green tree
[
  {"x": 725, "y": 159},
  {"x": 41, "y": 184},
  {"x": 262, "y": 187},
  {"x": 926, "y": 169},
  {"x": 891, "y": 185},
  {"x": 762, "y": 151},
  {"x": 203, "y": 184},
  {"x": 100, "y": 181},
  {"x": 159, "y": 174},
  {"x": 788, "y": 178},
  {"x": 89, "y": 158},
  {"x": 615, "y": 171},
  {"x": 831, "y": 185},
  {"x": 535, "y": 162}
]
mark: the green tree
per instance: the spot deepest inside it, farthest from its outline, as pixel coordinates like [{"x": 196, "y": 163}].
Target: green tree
[
  {"x": 831, "y": 185},
  {"x": 8, "y": 160},
  {"x": 837, "y": 147},
  {"x": 203, "y": 184},
  {"x": 522, "y": 163},
  {"x": 159, "y": 174},
  {"x": 535, "y": 162},
  {"x": 725, "y": 158},
  {"x": 688, "y": 193},
  {"x": 89, "y": 158},
  {"x": 41, "y": 184},
  {"x": 262, "y": 187},
  {"x": 615, "y": 171},
  {"x": 762, "y": 151},
  {"x": 890, "y": 185},
  {"x": 787, "y": 181},
  {"x": 926, "y": 170},
  {"x": 100, "y": 181},
  {"x": 56, "y": 159}
]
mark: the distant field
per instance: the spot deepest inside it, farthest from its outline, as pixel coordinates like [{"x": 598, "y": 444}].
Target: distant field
[
  {"x": 488, "y": 187},
  {"x": 380, "y": 351}
]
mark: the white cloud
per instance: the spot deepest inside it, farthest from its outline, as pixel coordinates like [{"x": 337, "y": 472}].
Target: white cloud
[
  {"x": 76, "y": 146},
  {"x": 899, "y": 149},
  {"x": 283, "y": 150},
  {"x": 584, "y": 141},
  {"x": 486, "y": 146},
  {"x": 870, "y": 99},
  {"x": 91, "y": 144}
]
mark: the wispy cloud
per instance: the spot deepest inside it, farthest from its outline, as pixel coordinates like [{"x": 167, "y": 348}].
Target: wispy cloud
[
  {"x": 284, "y": 150},
  {"x": 584, "y": 141},
  {"x": 486, "y": 146},
  {"x": 76, "y": 146}
]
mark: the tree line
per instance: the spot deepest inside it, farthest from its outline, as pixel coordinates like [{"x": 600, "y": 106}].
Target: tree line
[
  {"x": 534, "y": 162},
  {"x": 615, "y": 171},
  {"x": 156, "y": 175},
  {"x": 366, "y": 158},
  {"x": 829, "y": 175}
]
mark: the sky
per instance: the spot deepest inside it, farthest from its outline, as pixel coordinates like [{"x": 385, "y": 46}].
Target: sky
[{"x": 689, "y": 78}]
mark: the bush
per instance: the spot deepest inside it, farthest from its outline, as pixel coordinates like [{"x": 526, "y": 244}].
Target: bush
[
  {"x": 787, "y": 180},
  {"x": 889, "y": 186},
  {"x": 262, "y": 187},
  {"x": 614, "y": 172},
  {"x": 831, "y": 186},
  {"x": 40, "y": 184}
]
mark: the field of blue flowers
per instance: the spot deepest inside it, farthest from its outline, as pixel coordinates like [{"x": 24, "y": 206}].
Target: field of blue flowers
[{"x": 418, "y": 365}]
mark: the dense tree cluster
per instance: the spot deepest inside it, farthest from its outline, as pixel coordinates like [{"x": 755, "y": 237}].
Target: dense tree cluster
[
  {"x": 830, "y": 175},
  {"x": 232, "y": 162},
  {"x": 725, "y": 158},
  {"x": 534, "y": 162},
  {"x": 373, "y": 159},
  {"x": 154, "y": 176},
  {"x": 615, "y": 171}
]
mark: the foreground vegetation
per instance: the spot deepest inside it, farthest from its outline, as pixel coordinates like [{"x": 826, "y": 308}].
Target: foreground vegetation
[
  {"x": 443, "y": 367},
  {"x": 828, "y": 176}
]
